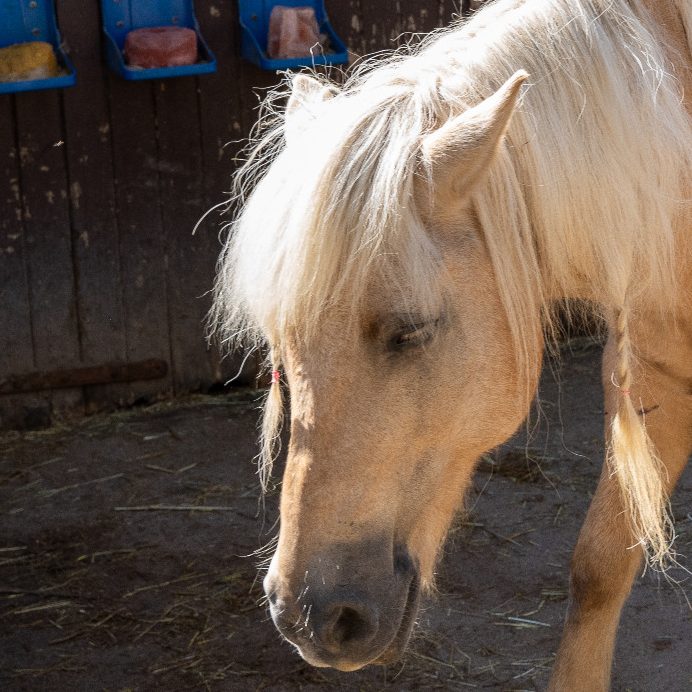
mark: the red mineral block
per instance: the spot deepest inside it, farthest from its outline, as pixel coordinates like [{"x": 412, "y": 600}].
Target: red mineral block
[
  {"x": 293, "y": 32},
  {"x": 161, "y": 46}
]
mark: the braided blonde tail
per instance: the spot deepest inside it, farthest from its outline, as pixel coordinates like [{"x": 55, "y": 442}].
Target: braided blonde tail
[{"x": 633, "y": 460}]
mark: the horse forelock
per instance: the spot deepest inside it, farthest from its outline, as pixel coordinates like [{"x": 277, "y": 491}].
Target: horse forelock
[{"x": 331, "y": 208}]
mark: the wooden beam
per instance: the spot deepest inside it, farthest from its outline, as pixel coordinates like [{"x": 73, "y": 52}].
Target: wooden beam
[{"x": 107, "y": 373}]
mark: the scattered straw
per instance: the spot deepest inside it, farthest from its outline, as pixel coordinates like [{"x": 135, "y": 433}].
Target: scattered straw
[
  {"x": 175, "y": 508},
  {"x": 44, "y": 606},
  {"x": 55, "y": 491}
]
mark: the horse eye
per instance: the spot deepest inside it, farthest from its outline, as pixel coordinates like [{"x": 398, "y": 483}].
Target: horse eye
[{"x": 414, "y": 335}]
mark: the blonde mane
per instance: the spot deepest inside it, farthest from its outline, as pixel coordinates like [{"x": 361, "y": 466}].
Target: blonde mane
[{"x": 580, "y": 202}]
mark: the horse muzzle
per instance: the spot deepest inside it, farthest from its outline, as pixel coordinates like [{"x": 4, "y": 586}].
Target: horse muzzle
[{"x": 342, "y": 622}]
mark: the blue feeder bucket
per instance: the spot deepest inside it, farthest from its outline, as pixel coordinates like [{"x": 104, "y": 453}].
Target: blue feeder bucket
[
  {"x": 122, "y": 16},
  {"x": 22, "y": 21},
  {"x": 254, "y": 23}
]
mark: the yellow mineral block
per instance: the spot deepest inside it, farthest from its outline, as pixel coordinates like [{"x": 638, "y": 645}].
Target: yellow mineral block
[{"x": 22, "y": 61}]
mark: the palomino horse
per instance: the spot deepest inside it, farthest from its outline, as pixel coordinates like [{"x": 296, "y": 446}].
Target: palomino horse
[{"x": 399, "y": 255}]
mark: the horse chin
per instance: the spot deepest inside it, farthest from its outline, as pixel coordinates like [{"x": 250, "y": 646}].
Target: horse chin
[
  {"x": 342, "y": 666},
  {"x": 392, "y": 652}
]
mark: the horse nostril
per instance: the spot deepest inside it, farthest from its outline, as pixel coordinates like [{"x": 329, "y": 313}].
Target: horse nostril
[{"x": 347, "y": 626}]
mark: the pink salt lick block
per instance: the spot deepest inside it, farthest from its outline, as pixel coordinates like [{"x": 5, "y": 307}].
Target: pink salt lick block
[
  {"x": 161, "y": 46},
  {"x": 293, "y": 32}
]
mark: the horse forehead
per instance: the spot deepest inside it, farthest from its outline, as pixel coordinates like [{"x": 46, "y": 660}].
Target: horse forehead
[
  {"x": 333, "y": 339},
  {"x": 344, "y": 323}
]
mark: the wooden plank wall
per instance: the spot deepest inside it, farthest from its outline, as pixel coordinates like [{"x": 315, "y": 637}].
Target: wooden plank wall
[{"x": 100, "y": 187}]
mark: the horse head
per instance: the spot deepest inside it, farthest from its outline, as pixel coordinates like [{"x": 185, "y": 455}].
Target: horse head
[{"x": 390, "y": 406}]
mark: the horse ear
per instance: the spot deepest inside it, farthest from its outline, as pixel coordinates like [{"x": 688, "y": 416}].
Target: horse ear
[
  {"x": 457, "y": 153},
  {"x": 306, "y": 92}
]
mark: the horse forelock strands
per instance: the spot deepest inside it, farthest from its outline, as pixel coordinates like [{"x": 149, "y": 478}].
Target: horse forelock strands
[
  {"x": 580, "y": 202},
  {"x": 329, "y": 216}
]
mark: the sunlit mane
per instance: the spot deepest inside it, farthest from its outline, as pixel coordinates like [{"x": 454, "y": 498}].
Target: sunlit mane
[
  {"x": 339, "y": 196},
  {"x": 580, "y": 202}
]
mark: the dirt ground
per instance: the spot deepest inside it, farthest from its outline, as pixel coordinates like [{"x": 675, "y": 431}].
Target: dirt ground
[{"x": 123, "y": 544}]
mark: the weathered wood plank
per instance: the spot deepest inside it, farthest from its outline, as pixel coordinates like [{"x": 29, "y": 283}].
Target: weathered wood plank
[
  {"x": 223, "y": 130},
  {"x": 94, "y": 226},
  {"x": 140, "y": 228},
  {"x": 93, "y": 375},
  {"x": 190, "y": 261},
  {"x": 380, "y": 25},
  {"x": 16, "y": 347},
  {"x": 347, "y": 19},
  {"x": 48, "y": 246},
  {"x": 421, "y": 18}
]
